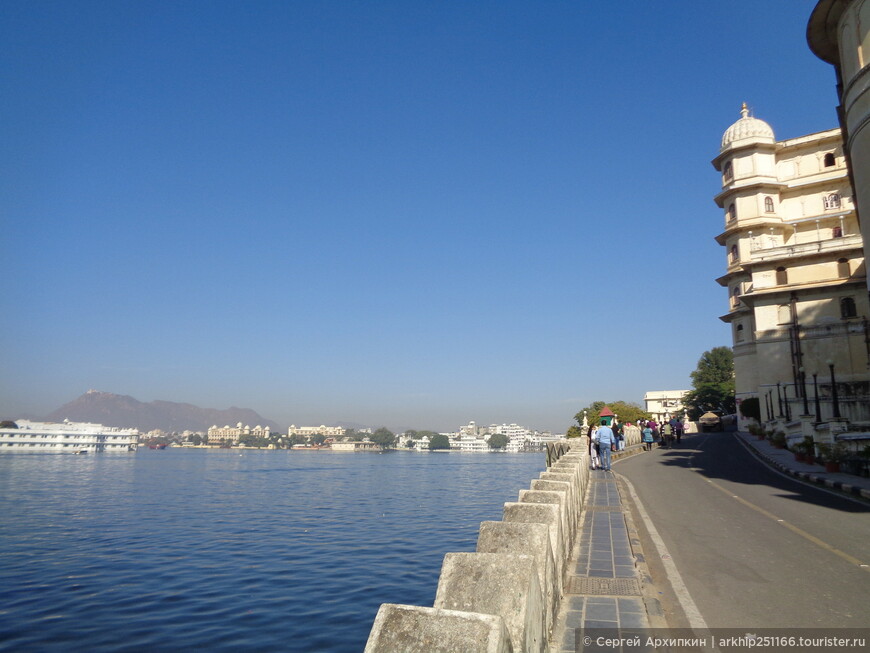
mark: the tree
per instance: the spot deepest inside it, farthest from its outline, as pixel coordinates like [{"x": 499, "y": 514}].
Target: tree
[
  {"x": 712, "y": 384},
  {"x": 439, "y": 441},
  {"x": 575, "y": 431},
  {"x": 625, "y": 412},
  {"x": 498, "y": 441},
  {"x": 383, "y": 437}
]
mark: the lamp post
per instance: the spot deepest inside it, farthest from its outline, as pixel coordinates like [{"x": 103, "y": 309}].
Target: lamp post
[
  {"x": 779, "y": 399},
  {"x": 834, "y": 390},
  {"x": 785, "y": 402},
  {"x": 816, "y": 392},
  {"x": 768, "y": 406},
  {"x": 804, "y": 390}
]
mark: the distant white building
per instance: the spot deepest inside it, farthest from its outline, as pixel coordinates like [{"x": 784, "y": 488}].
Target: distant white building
[
  {"x": 518, "y": 436},
  {"x": 234, "y": 433},
  {"x": 664, "y": 404},
  {"x": 470, "y": 444},
  {"x": 66, "y": 437},
  {"x": 308, "y": 431}
]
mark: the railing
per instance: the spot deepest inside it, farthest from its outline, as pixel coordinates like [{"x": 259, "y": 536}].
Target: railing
[
  {"x": 788, "y": 251},
  {"x": 556, "y": 450}
]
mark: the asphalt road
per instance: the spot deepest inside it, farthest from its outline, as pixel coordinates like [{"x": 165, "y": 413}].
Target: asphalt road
[{"x": 754, "y": 549}]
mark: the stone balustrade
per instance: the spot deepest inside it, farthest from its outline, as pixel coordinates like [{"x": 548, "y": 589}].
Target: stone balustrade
[{"x": 504, "y": 597}]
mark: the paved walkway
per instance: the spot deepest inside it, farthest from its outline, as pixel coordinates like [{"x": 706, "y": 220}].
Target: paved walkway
[
  {"x": 603, "y": 588},
  {"x": 783, "y": 460}
]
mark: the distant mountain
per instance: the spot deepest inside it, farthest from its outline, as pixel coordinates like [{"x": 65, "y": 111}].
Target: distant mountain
[{"x": 124, "y": 411}]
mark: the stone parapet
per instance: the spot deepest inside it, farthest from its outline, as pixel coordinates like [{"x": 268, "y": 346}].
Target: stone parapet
[{"x": 504, "y": 596}]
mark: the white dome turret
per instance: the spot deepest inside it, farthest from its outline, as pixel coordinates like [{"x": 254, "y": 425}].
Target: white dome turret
[{"x": 747, "y": 128}]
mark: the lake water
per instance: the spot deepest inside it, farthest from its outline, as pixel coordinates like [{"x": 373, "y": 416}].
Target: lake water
[{"x": 224, "y": 550}]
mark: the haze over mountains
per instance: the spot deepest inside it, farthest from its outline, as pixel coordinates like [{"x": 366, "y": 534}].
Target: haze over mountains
[{"x": 125, "y": 411}]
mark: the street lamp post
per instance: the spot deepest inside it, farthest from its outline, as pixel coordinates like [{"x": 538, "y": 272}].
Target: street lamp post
[
  {"x": 816, "y": 392},
  {"x": 785, "y": 402},
  {"x": 804, "y": 390},
  {"x": 779, "y": 399},
  {"x": 834, "y": 395}
]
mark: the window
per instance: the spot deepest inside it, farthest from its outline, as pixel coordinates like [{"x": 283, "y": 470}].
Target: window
[
  {"x": 728, "y": 172},
  {"x": 830, "y": 160},
  {"x": 847, "y": 308},
  {"x": 732, "y": 255},
  {"x": 844, "y": 271},
  {"x": 732, "y": 212},
  {"x": 832, "y": 201},
  {"x": 781, "y": 276},
  {"x": 735, "y": 296},
  {"x": 783, "y": 314},
  {"x": 838, "y": 232},
  {"x": 768, "y": 204},
  {"x": 739, "y": 333}
]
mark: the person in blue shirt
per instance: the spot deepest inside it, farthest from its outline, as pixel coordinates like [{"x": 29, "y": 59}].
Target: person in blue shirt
[{"x": 605, "y": 439}]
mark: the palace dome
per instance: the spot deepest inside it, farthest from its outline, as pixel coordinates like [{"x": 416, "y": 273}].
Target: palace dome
[{"x": 748, "y": 127}]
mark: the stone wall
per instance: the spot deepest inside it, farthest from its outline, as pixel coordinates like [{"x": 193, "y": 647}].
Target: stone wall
[{"x": 504, "y": 597}]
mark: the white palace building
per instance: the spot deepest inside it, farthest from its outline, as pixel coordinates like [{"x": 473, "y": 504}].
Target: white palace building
[{"x": 25, "y": 436}]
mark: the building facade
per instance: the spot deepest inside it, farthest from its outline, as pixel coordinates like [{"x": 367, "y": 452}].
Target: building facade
[
  {"x": 66, "y": 437},
  {"x": 308, "y": 431},
  {"x": 794, "y": 270},
  {"x": 232, "y": 434},
  {"x": 664, "y": 404},
  {"x": 839, "y": 33}
]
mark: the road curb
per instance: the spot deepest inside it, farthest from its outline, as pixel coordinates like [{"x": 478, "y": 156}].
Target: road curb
[{"x": 855, "y": 491}]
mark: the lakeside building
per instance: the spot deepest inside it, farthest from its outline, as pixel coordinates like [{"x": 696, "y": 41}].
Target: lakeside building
[
  {"x": 838, "y": 32},
  {"x": 66, "y": 437},
  {"x": 308, "y": 431},
  {"x": 234, "y": 433},
  {"x": 664, "y": 404},
  {"x": 795, "y": 274}
]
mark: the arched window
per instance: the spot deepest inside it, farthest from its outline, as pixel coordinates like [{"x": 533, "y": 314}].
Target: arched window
[
  {"x": 739, "y": 333},
  {"x": 732, "y": 212},
  {"x": 783, "y": 314},
  {"x": 735, "y": 296},
  {"x": 832, "y": 201},
  {"x": 728, "y": 172},
  {"x": 732, "y": 254},
  {"x": 830, "y": 160},
  {"x": 844, "y": 271},
  {"x": 847, "y": 307},
  {"x": 781, "y": 276},
  {"x": 768, "y": 204}
]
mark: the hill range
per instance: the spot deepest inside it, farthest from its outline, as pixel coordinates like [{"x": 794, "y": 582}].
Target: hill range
[{"x": 126, "y": 412}]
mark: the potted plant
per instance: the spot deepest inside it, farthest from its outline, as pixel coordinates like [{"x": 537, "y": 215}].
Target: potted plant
[
  {"x": 804, "y": 451},
  {"x": 778, "y": 439},
  {"x": 833, "y": 454}
]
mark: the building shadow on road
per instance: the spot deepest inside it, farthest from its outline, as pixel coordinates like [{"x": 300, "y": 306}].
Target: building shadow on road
[{"x": 719, "y": 456}]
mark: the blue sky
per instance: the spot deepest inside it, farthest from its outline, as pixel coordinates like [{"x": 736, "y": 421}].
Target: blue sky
[{"x": 401, "y": 213}]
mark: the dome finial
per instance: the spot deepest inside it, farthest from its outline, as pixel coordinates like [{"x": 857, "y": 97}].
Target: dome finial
[{"x": 744, "y": 110}]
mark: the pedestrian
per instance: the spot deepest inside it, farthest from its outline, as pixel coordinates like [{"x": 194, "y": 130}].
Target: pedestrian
[
  {"x": 678, "y": 431},
  {"x": 606, "y": 443},
  {"x": 667, "y": 435},
  {"x": 592, "y": 437},
  {"x": 647, "y": 438}
]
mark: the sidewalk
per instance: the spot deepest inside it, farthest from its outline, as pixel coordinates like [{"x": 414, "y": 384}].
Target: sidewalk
[
  {"x": 603, "y": 588},
  {"x": 784, "y": 461}
]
